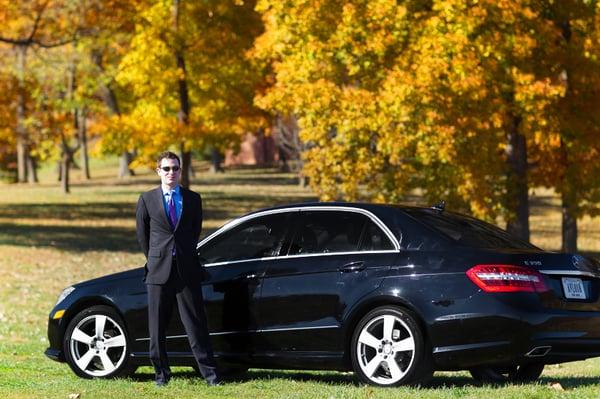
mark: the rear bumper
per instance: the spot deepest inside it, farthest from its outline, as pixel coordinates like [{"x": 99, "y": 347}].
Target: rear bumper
[
  {"x": 512, "y": 331},
  {"x": 500, "y": 353},
  {"x": 482, "y": 340}
]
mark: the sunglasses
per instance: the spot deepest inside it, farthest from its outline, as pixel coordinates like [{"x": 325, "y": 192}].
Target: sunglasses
[{"x": 170, "y": 168}]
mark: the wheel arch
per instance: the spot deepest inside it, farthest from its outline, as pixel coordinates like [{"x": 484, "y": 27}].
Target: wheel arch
[{"x": 356, "y": 314}]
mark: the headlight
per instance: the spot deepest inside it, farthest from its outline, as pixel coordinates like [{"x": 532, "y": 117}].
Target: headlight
[{"x": 64, "y": 294}]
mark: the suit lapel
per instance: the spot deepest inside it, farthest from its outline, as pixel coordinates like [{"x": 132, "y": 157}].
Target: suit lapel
[{"x": 158, "y": 198}]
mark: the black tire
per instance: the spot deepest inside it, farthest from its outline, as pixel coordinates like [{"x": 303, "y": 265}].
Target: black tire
[
  {"x": 500, "y": 375},
  {"x": 388, "y": 349},
  {"x": 96, "y": 344}
]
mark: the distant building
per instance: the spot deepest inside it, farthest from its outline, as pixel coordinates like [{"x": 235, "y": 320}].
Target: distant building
[{"x": 259, "y": 150}]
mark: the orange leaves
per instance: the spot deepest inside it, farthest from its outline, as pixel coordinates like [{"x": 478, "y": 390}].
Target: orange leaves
[
  {"x": 213, "y": 38},
  {"x": 390, "y": 99}
]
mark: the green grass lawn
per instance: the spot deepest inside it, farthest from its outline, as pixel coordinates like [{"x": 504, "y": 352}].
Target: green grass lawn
[{"x": 49, "y": 240}]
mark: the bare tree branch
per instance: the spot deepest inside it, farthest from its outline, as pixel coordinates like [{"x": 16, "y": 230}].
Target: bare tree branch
[
  {"x": 31, "y": 41},
  {"x": 36, "y": 23}
]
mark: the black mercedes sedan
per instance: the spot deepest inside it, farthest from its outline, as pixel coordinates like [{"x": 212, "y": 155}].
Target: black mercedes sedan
[{"x": 392, "y": 293}]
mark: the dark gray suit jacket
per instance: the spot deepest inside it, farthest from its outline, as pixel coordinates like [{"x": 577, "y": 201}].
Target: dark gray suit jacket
[{"x": 157, "y": 238}]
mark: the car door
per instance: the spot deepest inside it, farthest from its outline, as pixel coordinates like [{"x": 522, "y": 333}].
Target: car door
[
  {"x": 334, "y": 258},
  {"x": 234, "y": 263}
]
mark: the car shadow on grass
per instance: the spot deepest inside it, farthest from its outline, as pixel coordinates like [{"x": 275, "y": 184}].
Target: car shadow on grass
[
  {"x": 571, "y": 382},
  {"x": 461, "y": 381},
  {"x": 260, "y": 374},
  {"x": 339, "y": 378}
]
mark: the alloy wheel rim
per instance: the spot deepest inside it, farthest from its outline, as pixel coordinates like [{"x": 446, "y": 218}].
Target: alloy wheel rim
[
  {"x": 385, "y": 349},
  {"x": 98, "y": 345}
]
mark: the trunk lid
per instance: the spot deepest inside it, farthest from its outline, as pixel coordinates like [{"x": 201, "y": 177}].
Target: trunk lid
[{"x": 573, "y": 279}]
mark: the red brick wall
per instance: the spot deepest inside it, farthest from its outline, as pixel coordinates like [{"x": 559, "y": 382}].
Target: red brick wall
[{"x": 255, "y": 150}]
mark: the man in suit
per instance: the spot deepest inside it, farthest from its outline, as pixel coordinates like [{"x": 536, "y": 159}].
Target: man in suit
[{"x": 169, "y": 221}]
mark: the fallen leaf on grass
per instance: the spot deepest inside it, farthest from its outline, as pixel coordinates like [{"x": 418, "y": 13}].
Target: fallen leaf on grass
[{"x": 557, "y": 386}]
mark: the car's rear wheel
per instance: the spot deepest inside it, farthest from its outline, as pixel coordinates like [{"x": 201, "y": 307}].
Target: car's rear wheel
[
  {"x": 388, "y": 348},
  {"x": 96, "y": 344},
  {"x": 518, "y": 373}
]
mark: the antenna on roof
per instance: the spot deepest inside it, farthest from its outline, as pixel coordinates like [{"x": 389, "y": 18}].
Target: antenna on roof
[{"x": 440, "y": 206}]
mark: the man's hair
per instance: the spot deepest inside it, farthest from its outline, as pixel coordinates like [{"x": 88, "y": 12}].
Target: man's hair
[{"x": 168, "y": 155}]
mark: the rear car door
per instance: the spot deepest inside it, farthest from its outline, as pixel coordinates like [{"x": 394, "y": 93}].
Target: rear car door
[{"x": 333, "y": 259}]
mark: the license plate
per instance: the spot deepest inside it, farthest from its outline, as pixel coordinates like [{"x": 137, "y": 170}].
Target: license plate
[{"x": 573, "y": 288}]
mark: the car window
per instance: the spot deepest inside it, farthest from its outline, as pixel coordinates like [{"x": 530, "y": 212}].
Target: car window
[
  {"x": 331, "y": 231},
  {"x": 374, "y": 239},
  {"x": 257, "y": 238},
  {"x": 468, "y": 231}
]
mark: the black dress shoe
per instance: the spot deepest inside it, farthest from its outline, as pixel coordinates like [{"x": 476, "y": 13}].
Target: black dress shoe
[
  {"x": 214, "y": 383},
  {"x": 162, "y": 377},
  {"x": 161, "y": 383}
]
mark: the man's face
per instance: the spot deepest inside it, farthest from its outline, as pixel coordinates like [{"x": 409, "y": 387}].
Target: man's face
[{"x": 169, "y": 177}]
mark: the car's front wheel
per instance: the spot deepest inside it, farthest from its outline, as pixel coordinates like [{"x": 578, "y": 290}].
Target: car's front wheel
[
  {"x": 388, "y": 348},
  {"x": 521, "y": 373},
  {"x": 96, "y": 344}
]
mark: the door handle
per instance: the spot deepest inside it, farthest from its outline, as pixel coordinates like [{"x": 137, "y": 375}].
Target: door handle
[
  {"x": 353, "y": 267},
  {"x": 248, "y": 277}
]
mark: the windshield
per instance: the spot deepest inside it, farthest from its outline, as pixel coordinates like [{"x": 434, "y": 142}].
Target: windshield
[{"x": 468, "y": 231}]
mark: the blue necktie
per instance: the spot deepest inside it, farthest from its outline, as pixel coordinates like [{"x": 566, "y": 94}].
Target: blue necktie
[{"x": 172, "y": 211}]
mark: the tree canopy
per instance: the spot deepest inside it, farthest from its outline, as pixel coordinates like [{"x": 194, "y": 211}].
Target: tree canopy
[{"x": 474, "y": 102}]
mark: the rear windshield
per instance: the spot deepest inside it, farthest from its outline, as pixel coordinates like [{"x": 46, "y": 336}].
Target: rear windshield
[{"x": 468, "y": 231}]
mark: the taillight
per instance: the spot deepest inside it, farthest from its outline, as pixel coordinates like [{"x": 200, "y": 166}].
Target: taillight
[{"x": 506, "y": 278}]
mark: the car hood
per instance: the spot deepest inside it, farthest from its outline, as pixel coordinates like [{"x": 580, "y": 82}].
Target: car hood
[{"x": 137, "y": 273}]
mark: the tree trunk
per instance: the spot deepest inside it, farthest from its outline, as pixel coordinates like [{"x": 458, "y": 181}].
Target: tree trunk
[
  {"x": 106, "y": 92},
  {"x": 569, "y": 203},
  {"x": 124, "y": 162},
  {"x": 517, "y": 189},
  {"x": 110, "y": 99},
  {"x": 21, "y": 130},
  {"x": 183, "y": 116},
  {"x": 64, "y": 169},
  {"x": 82, "y": 134},
  {"x": 186, "y": 161},
  {"x": 302, "y": 180},
  {"x": 216, "y": 159},
  {"x": 31, "y": 169},
  {"x": 191, "y": 170},
  {"x": 67, "y": 151},
  {"x": 569, "y": 226},
  {"x": 283, "y": 163},
  {"x": 22, "y": 150}
]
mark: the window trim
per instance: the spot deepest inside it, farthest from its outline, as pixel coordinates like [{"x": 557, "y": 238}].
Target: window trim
[
  {"x": 387, "y": 251},
  {"x": 230, "y": 225}
]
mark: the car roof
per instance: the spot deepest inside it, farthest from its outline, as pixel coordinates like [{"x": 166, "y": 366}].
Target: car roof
[{"x": 340, "y": 204}]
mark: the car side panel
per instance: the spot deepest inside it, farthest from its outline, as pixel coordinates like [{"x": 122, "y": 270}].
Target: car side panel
[{"x": 303, "y": 302}]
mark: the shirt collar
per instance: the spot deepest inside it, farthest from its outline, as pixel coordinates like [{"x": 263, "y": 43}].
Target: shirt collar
[{"x": 166, "y": 191}]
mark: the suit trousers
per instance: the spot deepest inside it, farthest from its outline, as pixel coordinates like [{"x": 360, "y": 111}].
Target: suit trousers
[{"x": 161, "y": 300}]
